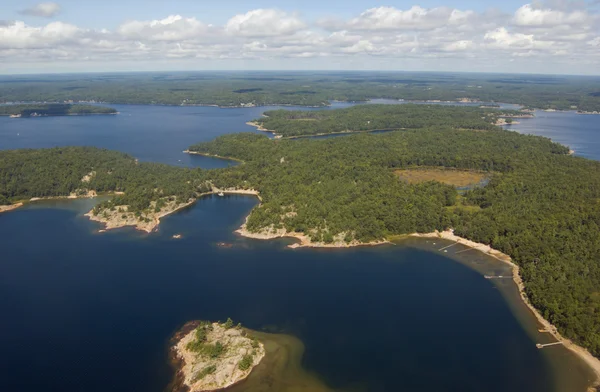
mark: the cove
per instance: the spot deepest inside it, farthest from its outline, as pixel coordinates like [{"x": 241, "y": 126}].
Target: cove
[{"x": 94, "y": 312}]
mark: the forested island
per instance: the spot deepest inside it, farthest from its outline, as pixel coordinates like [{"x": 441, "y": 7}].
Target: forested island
[
  {"x": 213, "y": 356},
  {"x": 541, "y": 205},
  {"x": 360, "y": 118},
  {"x": 242, "y": 89},
  {"x": 53, "y": 109}
]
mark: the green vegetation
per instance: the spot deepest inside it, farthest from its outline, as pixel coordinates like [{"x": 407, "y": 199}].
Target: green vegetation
[
  {"x": 246, "y": 362},
  {"x": 204, "y": 372},
  {"x": 379, "y": 117},
  {"x": 456, "y": 178},
  {"x": 306, "y": 89},
  {"x": 34, "y": 110},
  {"x": 59, "y": 172},
  {"x": 228, "y": 324},
  {"x": 541, "y": 206},
  {"x": 200, "y": 346}
]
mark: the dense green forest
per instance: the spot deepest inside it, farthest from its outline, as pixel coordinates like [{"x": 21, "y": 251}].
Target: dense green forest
[
  {"x": 291, "y": 123},
  {"x": 59, "y": 171},
  {"x": 303, "y": 88},
  {"x": 55, "y": 109},
  {"x": 541, "y": 206}
]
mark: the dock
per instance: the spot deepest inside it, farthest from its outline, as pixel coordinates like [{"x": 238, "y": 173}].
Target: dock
[{"x": 547, "y": 344}]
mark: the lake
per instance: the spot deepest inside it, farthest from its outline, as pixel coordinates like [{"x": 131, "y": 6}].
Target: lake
[
  {"x": 578, "y": 131},
  {"x": 150, "y": 133},
  {"x": 89, "y": 311}
]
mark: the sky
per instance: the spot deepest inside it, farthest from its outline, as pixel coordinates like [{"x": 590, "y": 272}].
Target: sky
[{"x": 545, "y": 36}]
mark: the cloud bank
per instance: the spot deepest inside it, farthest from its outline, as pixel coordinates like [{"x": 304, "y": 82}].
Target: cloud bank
[
  {"x": 534, "y": 34},
  {"x": 44, "y": 10}
]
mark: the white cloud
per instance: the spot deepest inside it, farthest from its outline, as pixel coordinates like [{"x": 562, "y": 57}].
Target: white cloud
[
  {"x": 44, "y": 10},
  {"x": 171, "y": 28},
  {"x": 415, "y": 18},
  {"x": 18, "y": 35},
  {"x": 263, "y": 23},
  {"x": 530, "y": 16},
  {"x": 532, "y": 33},
  {"x": 502, "y": 38}
]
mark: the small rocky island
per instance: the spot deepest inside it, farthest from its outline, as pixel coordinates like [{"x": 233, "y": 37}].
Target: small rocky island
[{"x": 212, "y": 356}]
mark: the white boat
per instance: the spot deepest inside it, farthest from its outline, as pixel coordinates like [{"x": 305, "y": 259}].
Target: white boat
[{"x": 221, "y": 194}]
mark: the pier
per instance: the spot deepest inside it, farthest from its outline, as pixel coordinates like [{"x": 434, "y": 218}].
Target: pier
[{"x": 539, "y": 345}]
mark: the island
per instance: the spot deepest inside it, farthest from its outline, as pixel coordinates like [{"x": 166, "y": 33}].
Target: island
[
  {"x": 522, "y": 195},
  {"x": 208, "y": 356},
  {"x": 213, "y": 356},
  {"x": 53, "y": 109}
]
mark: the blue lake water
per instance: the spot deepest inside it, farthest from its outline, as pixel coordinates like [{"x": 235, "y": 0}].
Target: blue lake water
[
  {"x": 83, "y": 311},
  {"x": 578, "y": 131},
  {"x": 150, "y": 133}
]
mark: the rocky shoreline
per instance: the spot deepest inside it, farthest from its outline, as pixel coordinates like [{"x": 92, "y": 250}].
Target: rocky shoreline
[
  {"x": 121, "y": 217},
  {"x": 305, "y": 241},
  {"x": 200, "y": 368}
]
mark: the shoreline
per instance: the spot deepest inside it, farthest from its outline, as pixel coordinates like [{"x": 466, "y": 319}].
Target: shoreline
[
  {"x": 263, "y": 129},
  {"x": 60, "y": 115},
  {"x": 114, "y": 223},
  {"x": 184, "y": 361},
  {"x": 89, "y": 195},
  {"x": 581, "y": 352},
  {"x": 305, "y": 241},
  {"x": 148, "y": 227},
  {"x": 305, "y": 136},
  {"x": 212, "y": 156},
  {"x": 10, "y": 207}
]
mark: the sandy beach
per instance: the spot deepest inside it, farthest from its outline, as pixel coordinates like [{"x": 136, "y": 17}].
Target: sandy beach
[
  {"x": 211, "y": 155},
  {"x": 10, "y": 207},
  {"x": 261, "y": 128},
  {"x": 585, "y": 355}
]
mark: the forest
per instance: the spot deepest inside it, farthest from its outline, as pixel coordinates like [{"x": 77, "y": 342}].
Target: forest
[
  {"x": 541, "y": 205},
  {"x": 55, "y": 109},
  {"x": 293, "y": 123},
  {"x": 264, "y": 88}
]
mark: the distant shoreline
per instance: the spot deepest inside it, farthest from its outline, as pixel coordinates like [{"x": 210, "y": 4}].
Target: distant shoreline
[{"x": 60, "y": 115}]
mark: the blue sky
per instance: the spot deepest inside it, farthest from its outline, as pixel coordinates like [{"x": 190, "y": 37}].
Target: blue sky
[
  {"x": 553, "y": 36},
  {"x": 110, "y": 13}
]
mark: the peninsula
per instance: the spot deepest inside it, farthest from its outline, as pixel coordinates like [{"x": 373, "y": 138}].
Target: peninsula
[
  {"x": 213, "y": 356},
  {"x": 377, "y": 117}
]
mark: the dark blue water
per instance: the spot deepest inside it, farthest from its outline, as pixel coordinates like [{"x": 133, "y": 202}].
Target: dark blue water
[
  {"x": 580, "y": 132},
  {"x": 83, "y": 311}
]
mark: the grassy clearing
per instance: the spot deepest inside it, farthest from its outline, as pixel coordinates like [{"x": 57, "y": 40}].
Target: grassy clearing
[{"x": 458, "y": 178}]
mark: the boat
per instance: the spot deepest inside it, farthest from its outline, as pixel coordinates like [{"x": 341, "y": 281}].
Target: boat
[{"x": 221, "y": 194}]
